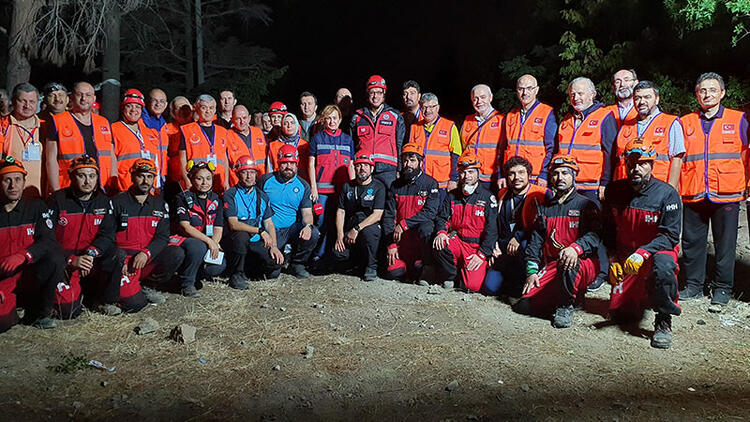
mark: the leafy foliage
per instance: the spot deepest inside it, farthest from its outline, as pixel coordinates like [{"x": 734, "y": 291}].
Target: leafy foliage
[{"x": 70, "y": 363}]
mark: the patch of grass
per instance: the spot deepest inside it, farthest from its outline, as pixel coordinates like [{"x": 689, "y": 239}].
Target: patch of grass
[{"x": 70, "y": 364}]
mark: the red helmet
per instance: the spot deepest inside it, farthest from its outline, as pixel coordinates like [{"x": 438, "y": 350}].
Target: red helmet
[
  {"x": 245, "y": 162},
  {"x": 277, "y": 107},
  {"x": 288, "y": 154},
  {"x": 133, "y": 96},
  {"x": 376, "y": 81},
  {"x": 363, "y": 157}
]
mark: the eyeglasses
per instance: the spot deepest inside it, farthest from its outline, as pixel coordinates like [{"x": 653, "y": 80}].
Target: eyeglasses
[
  {"x": 376, "y": 92},
  {"x": 200, "y": 165},
  {"x": 526, "y": 88}
]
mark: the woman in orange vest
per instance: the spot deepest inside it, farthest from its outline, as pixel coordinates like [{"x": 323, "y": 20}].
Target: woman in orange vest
[{"x": 290, "y": 136}]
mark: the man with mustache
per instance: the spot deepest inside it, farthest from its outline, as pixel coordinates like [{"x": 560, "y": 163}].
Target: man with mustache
[
  {"x": 481, "y": 132},
  {"x": 411, "y": 93},
  {"x": 23, "y": 139},
  {"x": 623, "y": 82},
  {"x": 642, "y": 222}
]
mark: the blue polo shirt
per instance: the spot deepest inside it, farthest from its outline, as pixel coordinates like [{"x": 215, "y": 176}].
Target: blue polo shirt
[
  {"x": 287, "y": 198},
  {"x": 243, "y": 204}
]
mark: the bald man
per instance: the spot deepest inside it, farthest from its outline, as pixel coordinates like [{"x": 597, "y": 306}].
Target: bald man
[
  {"x": 156, "y": 104},
  {"x": 529, "y": 131},
  {"x": 481, "y": 132},
  {"x": 247, "y": 138}
]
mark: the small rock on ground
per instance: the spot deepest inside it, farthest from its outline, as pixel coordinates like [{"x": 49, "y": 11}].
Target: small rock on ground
[
  {"x": 148, "y": 325},
  {"x": 183, "y": 333},
  {"x": 452, "y": 386}
]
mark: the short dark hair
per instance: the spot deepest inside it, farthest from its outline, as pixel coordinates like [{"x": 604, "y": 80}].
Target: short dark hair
[
  {"x": 23, "y": 87},
  {"x": 411, "y": 84},
  {"x": 646, "y": 85},
  {"x": 516, "y": 161},
  {"x": 308, "y": 94}
]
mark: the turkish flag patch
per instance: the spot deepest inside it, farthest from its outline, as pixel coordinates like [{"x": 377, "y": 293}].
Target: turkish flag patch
[
  {"x": 660, "y": 130},
  {"x": 593, "y": 123},
  {"x": 538, "y": 121},
  {"x": 443, "y": 132},
  {"x": 727, "y": 128},
  {"x": 493, "y": 124}
]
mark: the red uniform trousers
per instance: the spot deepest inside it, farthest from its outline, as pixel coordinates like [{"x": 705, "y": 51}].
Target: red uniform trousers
[
  {"x": 412, "y": 251},
  {"x": 655, "y": 287},
  {"x": 458, "y": 251},
  {"x": 557, "y": 288}
]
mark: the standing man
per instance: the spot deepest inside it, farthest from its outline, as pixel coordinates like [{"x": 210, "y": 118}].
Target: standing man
[
  {"x": 412, "y": 96},
  {"x": 181, "y": 113},
  {"x": 4, "y": 103},
  {"x": 292, "y": 210},
  {"x": 153, "y": 115},
  {"x": 379, "y": 130},
  {"x": 308, "y": 105},
  {"x": 560, "y": 256},
  {"x": 360, "y": 209},
  {"x": 409, "y": 219},
  {"x": 712, "y": 184},
  {"x": 55, "y": 100},
  {"x": 623, "y": 82},
  {"x": 481, "y": 133},
  {"x": 466, "y": 227},
  {"x": 663, "y": 130},
  {"x": 439, "y": 141},
  {"x": 205, "y": 141},
  {"x": 23, "y": 138},
  {"x": 343, "y": 99},
  {"x": 226, "y": 105},
  {"x": 529, "y": 131},
  {"x": 642, "y": 222},
  {"x": 588, "y": 134},
  {"x": 77, "y": 132},
  {"x": 249, "y": 136}
]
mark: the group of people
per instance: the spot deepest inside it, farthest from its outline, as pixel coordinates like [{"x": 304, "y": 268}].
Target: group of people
[{"x": 515, "y": 205}]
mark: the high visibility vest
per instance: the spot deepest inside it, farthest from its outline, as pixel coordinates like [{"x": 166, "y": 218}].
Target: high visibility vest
[
  {"x": 485, "y": 140},
  {"x": 70, "y": 146},
  {"x": 631, "y": 117},
  {"x": 585, "y": 144},
  {"x": 258, "y": 148},
  {"x": 713, "y": 167},
  {"x": 199, "y": 148},
  {"x": 332, "y": 160},
  {"x": 378, "y": 137},
  {"x": 128, "y": 149},
  {"x": 236, "y": 148},
  {"x": 303, "y": 152},
  {"x": 527, "y": 139},
  {"x": 658, "y": 132},
  {"x": 436, "y": 149},
  {"x": 535, "y": 197}
]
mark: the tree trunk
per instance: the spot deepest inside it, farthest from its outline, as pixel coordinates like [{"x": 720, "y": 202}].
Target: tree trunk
[
  {"x": 188, "y": 40},
  {"x": 200, "y": 71},
  {"x": 111, "y": 69},
  {"x": 18, "y": 68}
]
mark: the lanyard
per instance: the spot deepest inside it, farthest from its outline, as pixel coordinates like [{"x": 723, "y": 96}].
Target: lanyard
[
  {"x": 479, "y": 131},
  {"x": 211, "y": 139},
  {"x": 427, "y": 139},
  {"x": 139, "y": 137},
  {"x": 28, "y": 132}
]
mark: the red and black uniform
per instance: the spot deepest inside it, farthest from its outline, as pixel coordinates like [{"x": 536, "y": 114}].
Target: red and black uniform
[
  {"x": 26, "y": 236},
  {"x": 382, "y": 137},
  {"x": 470, "y": 223},
  {"x": 571, "y": 221},
  {"x": 86, "y": 228},
  {"x": 647, "y": 222},
  {"x": 413, "y": 205},
  {"x": 144, "y": 228}
]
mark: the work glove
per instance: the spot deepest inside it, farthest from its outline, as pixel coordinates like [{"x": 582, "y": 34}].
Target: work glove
[
  {"x": 615, "y": 273},
  {"x": 633, "y": 264},
  {"x": 10, "y": 264}
]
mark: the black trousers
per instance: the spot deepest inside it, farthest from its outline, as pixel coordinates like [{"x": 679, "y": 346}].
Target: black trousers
[
  {"x": 36, "y": 287},
  {"x": 365, "y": 248},
  {"x": 241, "y": 247},
  {"x": 723, "y": 219},
  {"x": 193, "y": 266},
  {"x": 301, "y": 249}
]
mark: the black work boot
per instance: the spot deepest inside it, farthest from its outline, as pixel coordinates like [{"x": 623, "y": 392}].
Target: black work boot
[
  {"x": 563, "y": 317},
  {"x": 299, "y": 271},
  {"x": 662, "y": 338},
  {"x": 238, "y": 281}
]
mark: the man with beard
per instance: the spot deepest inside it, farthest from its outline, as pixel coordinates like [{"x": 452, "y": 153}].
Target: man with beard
[
  {"x": 23, "y": 139},
  {"x": 642, "y": 223},
  {"x": 412, "y": 96},
  {"x": 290, "y": 199},
  {"x": 143, "y": 233},
  {"x": 439, "y": 141},
  {"x": 466, "y": 227},
  {"x": 481, "y": 132},
  {"x": 360, "y": 209},
  {"x": 408, "y": 221},
  {"x": 516, "y": 212},
  {"x": 663, "y": 130},
  {"x": 85, "y": 227},
  {"x": 379, "y": 130},
  {"x": 54, "y": 101},
  {"x": 623, "y": 82},
  {"x": 560, "y": 256}
]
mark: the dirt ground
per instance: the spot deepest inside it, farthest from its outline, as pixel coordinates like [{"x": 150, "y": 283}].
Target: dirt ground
[{"x": 380, "y": 350}]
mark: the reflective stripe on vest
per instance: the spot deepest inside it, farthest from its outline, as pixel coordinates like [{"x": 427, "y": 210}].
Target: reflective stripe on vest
[
  {"x": 657, "y": 131},
  {"x": 485, "y": 140},
  {"x": 379, "y": 136},
  {"x": 527, "y": 139},
  {"x": 436, "y": 148},
  {"x": 198, "y": 147},
  {"x": 585, "y": 144},
  {"x": 70, "y": 145}
]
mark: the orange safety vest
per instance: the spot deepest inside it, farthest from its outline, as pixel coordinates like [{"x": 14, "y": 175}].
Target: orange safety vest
[
  {"x": 435, "y": 148},
  {"x": 172, "y": 132},
  {"x": 631, "y": 117},
  {"x": 658, "y": 132},
  {"x": 70, "y": 146},
  {"x": 713, "y": 167},
  {"x": 585, "y": 144},
  {"x": 129, "y": 148},
  {"x": 258, "y": 147},
  {"x": 534, "y": 197},
  {"x": 527, "y": 139},
  {"x": 199, "y": 148},
  {"x": 303, "y": 151},
  {"x": 485, "y": 139}
]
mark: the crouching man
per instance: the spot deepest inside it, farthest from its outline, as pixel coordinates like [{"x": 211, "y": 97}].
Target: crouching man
[
  {"x": 85, "y": 228},
  {"x": 642, "y": 232},
  {"x": 30, "y": 261},
  {"x": 143, "y": 233},
  {"x": 467, "y": 227},
  {"x": 560, "y": 255}
]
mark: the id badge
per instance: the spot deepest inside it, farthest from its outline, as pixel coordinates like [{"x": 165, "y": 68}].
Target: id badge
[
  {"x": 211, "y": 158},
  {"x": 209, "y": 230},
  {"x": 32, "y": 153},
  {"x": 146, "y": 155}
]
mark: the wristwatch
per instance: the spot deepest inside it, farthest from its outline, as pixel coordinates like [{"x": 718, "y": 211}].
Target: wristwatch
[{"x": 357, "y": 228}]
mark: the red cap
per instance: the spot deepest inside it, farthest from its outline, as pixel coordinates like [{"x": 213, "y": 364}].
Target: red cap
[
  {"x": 245, "y": 162},
  {"x": 376, "y": 81},
  {"x": 277, "y": 107},
  {"x": 133, "y": 96},
  {"x": 288, "y": 154}
]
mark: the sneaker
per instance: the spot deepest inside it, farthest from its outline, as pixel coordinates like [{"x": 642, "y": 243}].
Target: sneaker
[
  {"x": 153, "y": 296},
  {"x": 662, "y": 338},
  {"x": 597, "y": 284},
  {"x": 239, "y": 282},
  {"x": 690, "y": 293},
  {"x": 299, "y": 271},
  {"x": 44, "y": 323},
  {"x": 563, "y": 317},
  {"x": 370, "y": 274},
  {"x": 190, "y": 291},
  {"x": 719, "y": 300},
  {"x": 108, "y": 309},
  {"x": 448, "y": 284}
]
